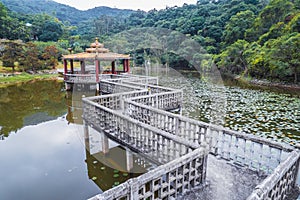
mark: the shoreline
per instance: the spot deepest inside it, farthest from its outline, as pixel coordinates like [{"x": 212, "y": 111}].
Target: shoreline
[
  {"x": 275, "y": 84},
  {"x": 8, "y": 79},
  {"x": 263, "y": 84}
]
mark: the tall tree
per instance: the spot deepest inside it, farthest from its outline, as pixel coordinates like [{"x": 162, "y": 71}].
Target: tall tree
[
  {"x": 237, "y": 25},
  {"x": 30, "y": 59},
  {"x": 51, "y": 31},
  {"x": 50, "y": 56},
  {"x": 12, "y": 52},
  {"x": 284, "y": 56},
  {"x": 233, "y": 58}
]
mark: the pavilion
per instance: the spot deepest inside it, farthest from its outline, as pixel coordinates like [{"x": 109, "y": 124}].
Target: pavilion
[{"x": 89, "y": 74}]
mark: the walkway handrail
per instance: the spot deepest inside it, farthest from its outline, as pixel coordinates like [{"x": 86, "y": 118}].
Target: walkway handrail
[
  {"x": 138, "y": 136},
  {"x": 133, "y": 118},
  {"x": 228, "y": 144},
  {"x": 279, "y": 184},
  {"x": 165, "y": 181}
]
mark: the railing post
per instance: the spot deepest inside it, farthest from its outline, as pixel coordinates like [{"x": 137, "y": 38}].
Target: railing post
[{"x": 134, "y": 189}]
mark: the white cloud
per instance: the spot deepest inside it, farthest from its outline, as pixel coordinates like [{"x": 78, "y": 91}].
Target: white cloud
[{"x": 134, "y": 4}]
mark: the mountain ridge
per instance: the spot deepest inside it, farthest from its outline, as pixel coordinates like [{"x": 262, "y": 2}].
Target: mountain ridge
[{"x": 61, "y": 11}]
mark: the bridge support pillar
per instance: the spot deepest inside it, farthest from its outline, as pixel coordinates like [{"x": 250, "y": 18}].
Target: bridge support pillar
[
  {"x": 104, "y": 144},
  {"x": 86, "y": 137},
  {"x": 129, "y": 160}
]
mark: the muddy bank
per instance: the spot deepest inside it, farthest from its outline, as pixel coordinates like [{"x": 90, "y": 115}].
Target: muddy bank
[{"x": 261, "y": 84}]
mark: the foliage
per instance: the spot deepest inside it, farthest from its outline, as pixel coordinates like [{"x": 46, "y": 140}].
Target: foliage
[
  {"x": 11, "y": 52},
  {"x": 62, "y": 12},
  {"x": 246, "y": 37},
  {"x": 233, "y": 58},
  {"x": 284, "y": 54},
  {"x": 237, "y": 25},
  {"x": 51, "y": 55},
  {"x": 276, "y": 11},
  {"x": 30, "y": 59},
  {"x": 51, "y": 31}
]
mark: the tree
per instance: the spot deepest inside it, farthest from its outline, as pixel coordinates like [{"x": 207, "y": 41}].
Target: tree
[
  {"x": 233, "y": 59},
  {"x": 30, "y": 59},
  {"x": 275, "y": 31},
  {"x": 284, "y": 55},
  {"x": 51, "y": 31},
  {"x": 237, "y": 25},
  {"x": 3, "y": 11},
  {"x": 275, "y": 12},
  {"x": 12, "y": 52},
  {"x": 50, "y": 55}
]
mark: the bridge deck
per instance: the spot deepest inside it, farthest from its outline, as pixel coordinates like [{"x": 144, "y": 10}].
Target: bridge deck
[
  {"x": 225, "y": 182},
  {"x": 135, "y": 114}
]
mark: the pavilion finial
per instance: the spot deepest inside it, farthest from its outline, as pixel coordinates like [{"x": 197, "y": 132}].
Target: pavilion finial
[
  {"x": 97, "y": 44},
  {"x": 97, "y": 47}
]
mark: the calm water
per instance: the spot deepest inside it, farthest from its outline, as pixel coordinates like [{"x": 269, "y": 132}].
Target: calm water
[
  {"x": 42, "y": 148},
  {"x": 43, "y": 152}
]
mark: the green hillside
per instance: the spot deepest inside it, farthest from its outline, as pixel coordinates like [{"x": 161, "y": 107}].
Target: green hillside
[
  {"x": 246, "y": 38},
  {"x": 61, "y": 11}
]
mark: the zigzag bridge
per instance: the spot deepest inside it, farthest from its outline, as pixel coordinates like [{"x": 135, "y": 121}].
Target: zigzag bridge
[{"x": 194, "y": 158}]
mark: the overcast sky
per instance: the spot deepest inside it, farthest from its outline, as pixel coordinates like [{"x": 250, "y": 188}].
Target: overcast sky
[{"x": 125, "y": 4}]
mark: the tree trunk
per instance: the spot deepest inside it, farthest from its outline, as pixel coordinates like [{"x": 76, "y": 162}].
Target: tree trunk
[
  {"x": 295, "y": 75},
  {"x": 296, "y": 79}
]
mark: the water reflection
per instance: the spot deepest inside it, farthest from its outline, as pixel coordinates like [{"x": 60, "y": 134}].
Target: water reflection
[
  {"x": 110, "y": 164},
  {"x": 29, "y": 104},
  {"x": 74, "y": 102},
  {"x": 45, "y": 161}
]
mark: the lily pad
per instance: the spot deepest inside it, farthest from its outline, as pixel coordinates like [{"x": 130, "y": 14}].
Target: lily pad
[{"x": 116, "y": 175}]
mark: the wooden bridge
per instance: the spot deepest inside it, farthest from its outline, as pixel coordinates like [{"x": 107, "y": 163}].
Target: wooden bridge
[{"x": 136, "y": 112}]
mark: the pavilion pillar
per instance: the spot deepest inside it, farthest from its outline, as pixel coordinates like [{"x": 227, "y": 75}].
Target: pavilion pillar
[
  {"x": 65, "y": 68},
  {"x": 113, "y": 67},
  {"x": 82, "y": 66},
  {"x": 72, "y": 66},
  {"x": 124, "y": 65},
  {"x": 127, "y": 65},
  {"x": 97, "y": 65}
]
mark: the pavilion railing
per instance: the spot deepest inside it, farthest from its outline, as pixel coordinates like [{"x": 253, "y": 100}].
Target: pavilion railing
[{"x": 80, "y": 78}]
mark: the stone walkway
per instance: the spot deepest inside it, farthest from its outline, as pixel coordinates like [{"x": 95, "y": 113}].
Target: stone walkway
[{"x": 225, "y": 182}]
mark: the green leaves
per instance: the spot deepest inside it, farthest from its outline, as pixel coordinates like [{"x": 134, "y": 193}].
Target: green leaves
[
  {"x": 237, "y": 25},
  {"x": 233, "y": 59}
]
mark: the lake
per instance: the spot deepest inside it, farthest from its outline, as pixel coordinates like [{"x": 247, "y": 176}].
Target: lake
[{"x": 43, "y": 150}]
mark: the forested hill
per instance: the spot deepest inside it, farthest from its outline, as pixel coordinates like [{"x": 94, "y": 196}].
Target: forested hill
[
  {"x": 61, "y": 11},
  {"x": 250, "y": 38}
]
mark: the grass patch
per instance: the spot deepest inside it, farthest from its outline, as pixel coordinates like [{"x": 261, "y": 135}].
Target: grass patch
[{"x": 24, "y": 77}]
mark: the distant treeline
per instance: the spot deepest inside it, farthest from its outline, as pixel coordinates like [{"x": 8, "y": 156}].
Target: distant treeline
[{"x": 253, "y": 38}]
